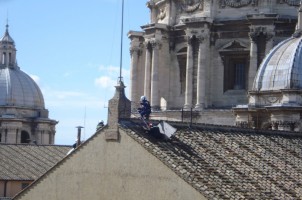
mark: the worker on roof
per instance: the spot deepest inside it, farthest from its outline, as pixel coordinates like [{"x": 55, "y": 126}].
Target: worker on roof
[{"x": 145, "y": 108}]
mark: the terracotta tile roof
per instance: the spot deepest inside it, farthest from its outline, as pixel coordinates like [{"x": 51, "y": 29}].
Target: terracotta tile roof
[
  {"x": 28, "y": 162},
  {"x": 228, "y": 162}
]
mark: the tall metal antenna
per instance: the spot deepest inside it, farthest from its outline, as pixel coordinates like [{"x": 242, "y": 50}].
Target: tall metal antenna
[{"x": 121, "y": 53}]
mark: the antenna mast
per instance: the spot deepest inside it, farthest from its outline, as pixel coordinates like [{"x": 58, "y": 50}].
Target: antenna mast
[{"x": 121, "y": 53}]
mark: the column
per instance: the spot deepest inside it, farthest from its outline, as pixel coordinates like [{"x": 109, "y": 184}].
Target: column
[
  {"x": 155, "y": 101},
  {"x": 269, "y": 42},
  {"x": 253, "y": 60},
  {"x": 147, "y": 84},
  {"x": 201, "y": 75},
  {"x": 10, "y": 135},
  {"x": 37, "y": 136},
  {"x": 18, "y": 136},
  {"x": 189, "y": 76},
  {"x": 134, "y": 52}
]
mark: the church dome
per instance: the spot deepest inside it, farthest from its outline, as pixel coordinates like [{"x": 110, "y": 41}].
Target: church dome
[
  {"x": 282, "y": 67},
  {"x": 19, "y": 89},
  {"x": 16, "y": 87}
]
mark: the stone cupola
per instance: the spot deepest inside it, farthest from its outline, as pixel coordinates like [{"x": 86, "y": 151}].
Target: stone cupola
[{"x": 7, "y": 51}]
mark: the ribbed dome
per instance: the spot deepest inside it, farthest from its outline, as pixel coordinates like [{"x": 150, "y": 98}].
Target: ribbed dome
[
  {"x": 281, "y": 68},
  {"x": 18, "y": 89}
]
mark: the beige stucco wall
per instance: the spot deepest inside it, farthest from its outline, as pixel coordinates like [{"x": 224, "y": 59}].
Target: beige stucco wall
[{"x": 111, "y": 170}]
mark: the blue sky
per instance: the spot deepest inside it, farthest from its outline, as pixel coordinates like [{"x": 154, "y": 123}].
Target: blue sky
[{"x": 71, "y": 48}]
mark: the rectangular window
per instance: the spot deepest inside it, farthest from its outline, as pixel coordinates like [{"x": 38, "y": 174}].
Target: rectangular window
[
  {"x": 235, "y": 72},
  {"x": 239, "y": 81}
]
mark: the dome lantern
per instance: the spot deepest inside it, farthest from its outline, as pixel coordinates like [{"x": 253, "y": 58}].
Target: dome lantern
[{"x": 7, "y": 51}]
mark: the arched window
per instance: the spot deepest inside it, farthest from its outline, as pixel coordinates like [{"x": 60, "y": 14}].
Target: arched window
[{"x": 25, "y": 137}]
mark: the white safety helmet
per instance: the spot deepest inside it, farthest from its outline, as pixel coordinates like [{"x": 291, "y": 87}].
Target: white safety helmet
[{"x": 143, "y": 98}]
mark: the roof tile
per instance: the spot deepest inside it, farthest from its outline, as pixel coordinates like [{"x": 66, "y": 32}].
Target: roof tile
[
  {"x": 28, "y": 162},
  {"x": 228, "y": 162}
]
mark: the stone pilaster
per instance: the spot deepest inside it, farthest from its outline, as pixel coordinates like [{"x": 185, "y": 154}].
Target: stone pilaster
[
  {"x": 147, "y": 84},
  {"x": 134, "y": 52},
  {"x": 189, "y": 76},
  {"x": 18, "y": 136},
  {"x": 253, "y": 59},
  {"x": 11, "y": 135},
  {"x": 201, "y": 73},
  {"x": 155, "y": 98},
  {"x": 269, "y": 40},
  {"x": 299, "y": 24}
]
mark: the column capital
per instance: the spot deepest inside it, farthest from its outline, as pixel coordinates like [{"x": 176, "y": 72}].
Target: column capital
[
  {"x": 135, "y": 49},
  {"x": 267, "y": 30},
  {"x": 203, "y": 37},
  {"x": 155, "y": 43}
]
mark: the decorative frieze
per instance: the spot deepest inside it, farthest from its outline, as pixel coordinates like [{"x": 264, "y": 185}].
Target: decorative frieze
[
  {"x": 284, "y": 125},
  {"x": 242, "y": 124},
  {"x": 190, "y": 6},
  {"x": 237, "y": 3}
]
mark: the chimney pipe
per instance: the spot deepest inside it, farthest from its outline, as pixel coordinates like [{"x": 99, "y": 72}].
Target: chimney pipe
[{"x": 79, "y": 135}]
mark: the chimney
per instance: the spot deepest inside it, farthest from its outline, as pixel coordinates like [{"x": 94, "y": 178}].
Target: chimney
[
  {"x": 119, "y": 107},
  {"x": 79, "y": 135}
]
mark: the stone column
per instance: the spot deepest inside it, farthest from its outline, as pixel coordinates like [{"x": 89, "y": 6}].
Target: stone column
[
  {"x": 134, "y": 51},
  {"x": 253, "y": 60},
  {"x": 201, "y": 74},
  {"x": 189, "y": 76},
  {"x": 11, "y": 135},
  {"x": 155, "y": 100},
  {"x": 269, "y": 41},
  {"x": 18, "y": 136},
  {"x": 37, "y": 136},
  {"x": 147, "y": 85},
  {"x": 52, "y": 138}
]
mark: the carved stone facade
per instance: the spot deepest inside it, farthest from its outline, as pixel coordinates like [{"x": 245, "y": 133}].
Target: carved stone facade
[{"x": 202, "y": 56}]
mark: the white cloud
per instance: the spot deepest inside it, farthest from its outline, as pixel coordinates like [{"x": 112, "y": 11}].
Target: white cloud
[
  {"x": 110, "y": 76},
  {"x": 105, "y": 82},
  {"x": 114, "y": 71}
]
